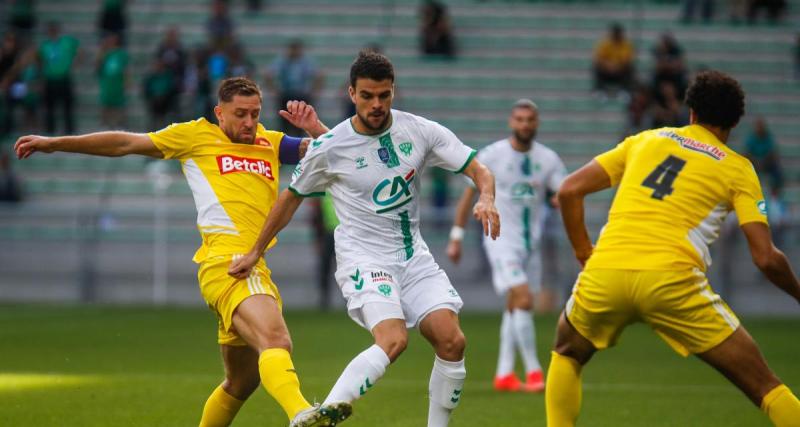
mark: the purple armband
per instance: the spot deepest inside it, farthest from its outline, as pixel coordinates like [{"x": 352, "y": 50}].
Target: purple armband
[{"x": 289, "y": 152}]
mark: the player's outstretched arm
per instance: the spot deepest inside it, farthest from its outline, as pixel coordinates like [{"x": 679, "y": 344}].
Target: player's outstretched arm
[
  {"x": 279, "y": 216},
  {"x": 303, "y": 116},
  {"x": 108, "y": 144},
  {"x": 457, "y": 232},
  {"x": 769, "y": 259},
  {"x": 485, "y": 210},
  {"x": 588, "y": 179}
]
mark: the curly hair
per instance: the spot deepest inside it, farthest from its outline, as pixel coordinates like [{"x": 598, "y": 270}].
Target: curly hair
[
  {"x": 233, "y": 86},
  {"x": 371, "y": 65},
  {"x": 716, "y": 98}
]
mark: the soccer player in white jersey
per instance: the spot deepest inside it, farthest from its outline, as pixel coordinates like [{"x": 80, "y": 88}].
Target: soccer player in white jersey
[
  {"x": 370, "y": 165},
  {"x": 525, "y": 171}
]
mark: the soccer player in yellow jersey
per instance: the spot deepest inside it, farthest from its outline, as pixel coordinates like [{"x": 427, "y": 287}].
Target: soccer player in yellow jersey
[
  {"x": 676, "y": 185},
  {"x": 232, "y": 170}
]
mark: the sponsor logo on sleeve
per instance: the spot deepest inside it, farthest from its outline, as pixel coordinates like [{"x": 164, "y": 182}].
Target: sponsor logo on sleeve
[
  {"x": 232, "y": 164},
  {"x": 762, "y": 206}
]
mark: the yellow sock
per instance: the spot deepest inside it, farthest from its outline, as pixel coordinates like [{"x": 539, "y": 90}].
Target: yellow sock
[
  {"x": 782, "y": 407},
  {"x": 220, "y": 409},
  {"x": 280, "y": 379},
  {"x": 563, "y": 391}
]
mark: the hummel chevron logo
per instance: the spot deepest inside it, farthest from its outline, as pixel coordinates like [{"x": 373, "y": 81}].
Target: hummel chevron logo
[
  {"x": 358, "y": 279},
  {"x": 363, "y": 390},
  {"x": 456, "y": 396}
]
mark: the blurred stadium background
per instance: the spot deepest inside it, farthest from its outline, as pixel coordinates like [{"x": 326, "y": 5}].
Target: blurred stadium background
[
  {"x": 122, "y": 230},
  {"x": 116, "y": 232}
]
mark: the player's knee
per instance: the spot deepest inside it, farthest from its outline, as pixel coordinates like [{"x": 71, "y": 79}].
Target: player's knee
[
  {"x": 394, "y": 344},
  {"x": 452, "y": 347},
  {"x": 274, "y": 339}
]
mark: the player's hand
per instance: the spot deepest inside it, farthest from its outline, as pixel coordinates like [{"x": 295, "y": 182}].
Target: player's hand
[
  {"x": 300, "y": 115},
  {"x": 487, "y": 214},
  {"x": 583, "y": 255},
  {"x": 454, "y": 251},
  {"x": 29, "y": 144},
  {"x": 242, "y": 266}
]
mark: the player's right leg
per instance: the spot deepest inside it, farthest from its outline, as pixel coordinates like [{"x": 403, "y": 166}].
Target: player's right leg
[
  {"x": 520, "y": 309},
  {"x": 740, "y": 360},
  {"x": 241, "y": 380}
]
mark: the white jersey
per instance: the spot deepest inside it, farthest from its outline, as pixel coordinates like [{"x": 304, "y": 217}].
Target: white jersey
[
  {"x": 374, "y": 181},
  {"x": 522, "y": 181}
]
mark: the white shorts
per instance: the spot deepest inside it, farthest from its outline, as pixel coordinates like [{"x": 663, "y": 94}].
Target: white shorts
[
  {"x": 380, "y": 289},
  {"x": 513, "y": 267}
]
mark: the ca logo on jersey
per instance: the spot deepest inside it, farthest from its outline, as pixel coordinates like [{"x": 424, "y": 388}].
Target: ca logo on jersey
[{"x": 392, "y": 193}]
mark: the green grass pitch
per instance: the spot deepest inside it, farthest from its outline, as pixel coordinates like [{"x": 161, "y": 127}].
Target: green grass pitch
[{"x": 123, "y": 366}]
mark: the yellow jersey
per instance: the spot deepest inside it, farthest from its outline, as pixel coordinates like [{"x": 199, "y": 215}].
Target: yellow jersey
[
  {"x": 676, "y": 186},
  {"x": 234, "y": 185}
]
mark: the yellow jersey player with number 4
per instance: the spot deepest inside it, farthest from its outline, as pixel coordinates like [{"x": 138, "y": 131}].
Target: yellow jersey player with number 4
[
  {"x": 232, "y": 170},
  {"x": 675, "y": 188}
]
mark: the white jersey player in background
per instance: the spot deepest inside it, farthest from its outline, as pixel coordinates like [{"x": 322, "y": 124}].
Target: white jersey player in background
[
  {"x": 525, "y": 171},
  {"x": 371, "y": 164}
]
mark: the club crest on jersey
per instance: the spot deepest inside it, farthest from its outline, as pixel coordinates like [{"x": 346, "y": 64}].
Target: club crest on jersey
[
  {"x": 406, "y": 148},
  {"x": 383, "y": 154},
  {"x": 690, "y": 144},
  {"x": 232, "y": 164},
  {"x": 392, "y": 193}
]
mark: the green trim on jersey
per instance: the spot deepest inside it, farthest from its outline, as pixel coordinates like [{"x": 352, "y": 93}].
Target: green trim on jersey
[
  {"x": 405, "y": 228},
  {"x": 299, "y": 194},
  {"x": 469, "y": 160},
  {"x": 374, "y": 135},
  {"x": 526, "y": 227},
  {"x": 386, "y": 142}
]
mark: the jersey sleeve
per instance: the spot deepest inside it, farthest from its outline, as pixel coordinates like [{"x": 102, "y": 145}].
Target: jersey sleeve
[
  {"x": 748, "y": 199},
  {"x": 559, "y": 172},
  {"x": 310, "y": 178},
  {"x": 175, "y": 140},
  {"x": 613, "y": 161},
  {"x": 447, "y": 151}
]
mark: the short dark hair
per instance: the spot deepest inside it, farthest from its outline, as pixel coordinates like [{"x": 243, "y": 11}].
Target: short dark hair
[
  {"x": 371, "y": 65},
  {"x": 233, "y": 86},
  {"x": 716, "y": 98}
]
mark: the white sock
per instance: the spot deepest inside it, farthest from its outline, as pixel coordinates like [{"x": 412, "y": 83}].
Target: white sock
[
  {"x": 444, "y": 390},
  {"x": 525, "y": 338},
  {"x": 505, "y": 359},
  {"x": 359, "y": 376}
]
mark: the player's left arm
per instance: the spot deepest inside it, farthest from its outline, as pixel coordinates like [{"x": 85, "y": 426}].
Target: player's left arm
[
  {"x": 769, "y": 259},
  {"x": 278, "y": 218},
  {"x": 485, "y": 210},
  {"x": 588, "y": 179}
]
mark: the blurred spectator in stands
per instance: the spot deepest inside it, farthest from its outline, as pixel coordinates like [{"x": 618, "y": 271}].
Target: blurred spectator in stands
[
  {"x": 436, "y": 33},
  {"x": 613, "y": 61},
  {"x": 203, "y": 103},
  {"x": 737, "y": 9},
  {"x": 440, "y": 197},
  {"x": 690, "y": 6},
  {"x": 324, "y": 221},
  {"x": 239, "y": 65},
  {"x": 797, "y": 57},
  {"x": 668, "y": 108},
  {"x": 20, "y": 87},
  {"x": 159, "y": 88},
  {"x": 669, "y": 63},
  {"x": 774, "y": 9},
  {"x": 57, "y": 54},
  {"x": 112, "y": 64},
  {"x": 10, "y": 53},
  {"x": 172, "y": 55},
  {"x": 112, "y": 19},
  {"x": 761, "y": 149},
  {"x": 218, "y": 63},
  {"x": 219, "y": 25},
  {"x": 293, "y": 76},
  {"x": 640, "y": 111},
  {"x": 10, "y": 188},
  {"x": 22, "y": 19}
]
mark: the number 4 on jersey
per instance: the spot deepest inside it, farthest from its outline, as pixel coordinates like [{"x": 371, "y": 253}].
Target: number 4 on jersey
[{"x": 661, "y": 179}]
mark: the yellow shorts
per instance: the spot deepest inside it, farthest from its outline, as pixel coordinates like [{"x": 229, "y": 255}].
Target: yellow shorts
[
  {"x": 223, "y": 293},
  {"x": 679, "y": 305}
]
